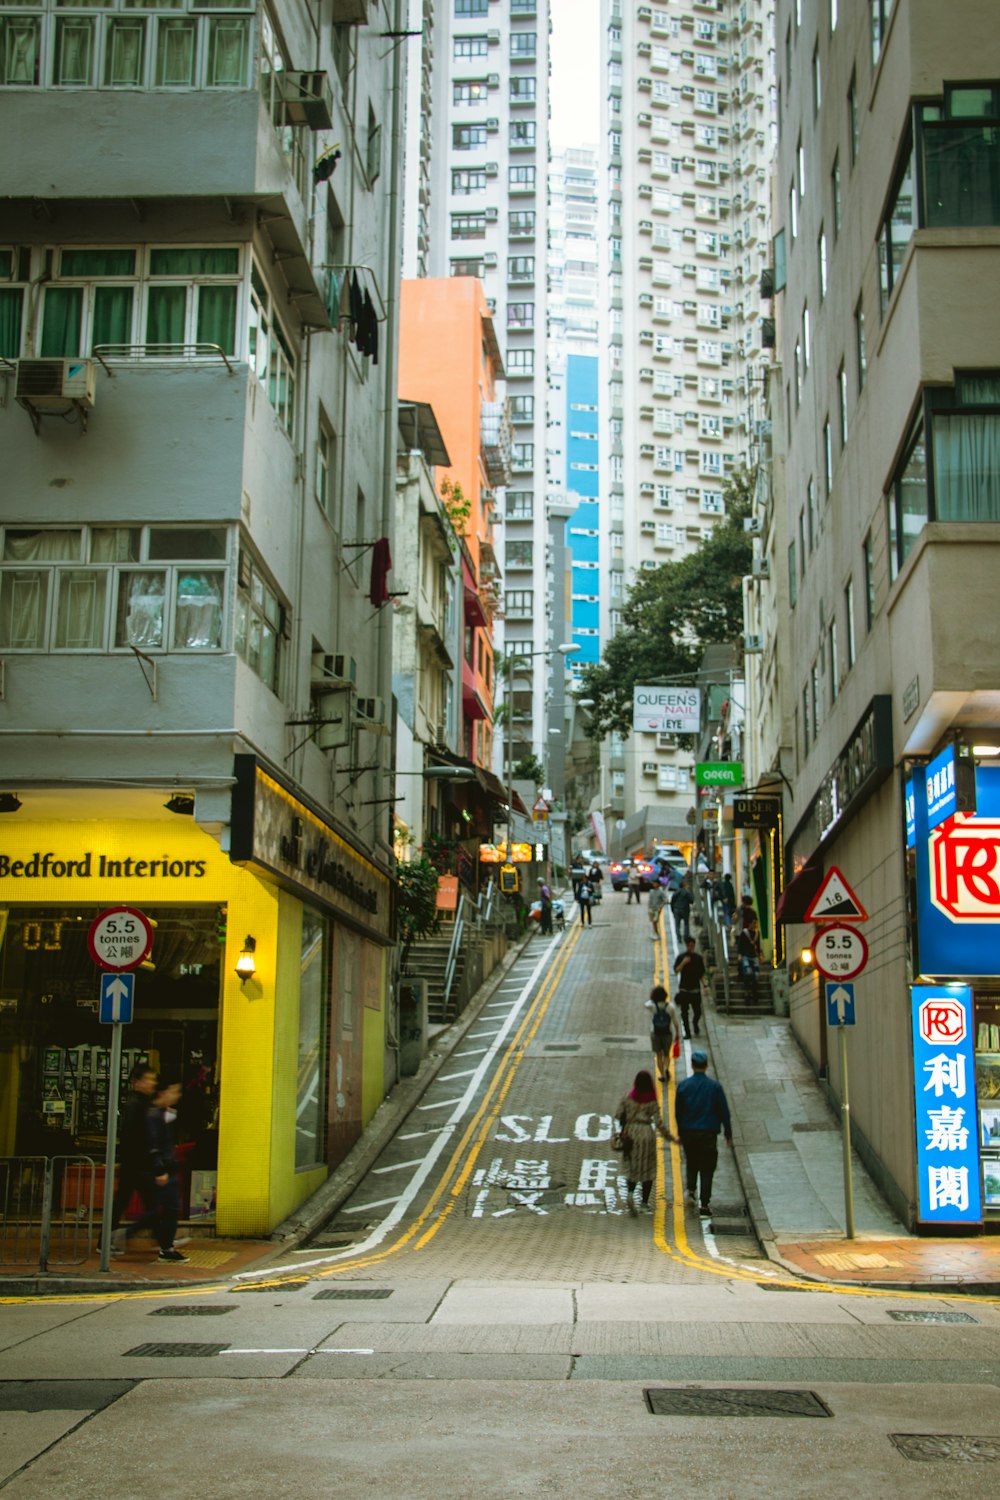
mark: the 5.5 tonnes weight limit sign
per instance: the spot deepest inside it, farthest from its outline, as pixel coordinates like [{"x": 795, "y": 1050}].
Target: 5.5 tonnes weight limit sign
[
  {"x": 120, "y": 939},
  {"x": 841, "y": 951}
]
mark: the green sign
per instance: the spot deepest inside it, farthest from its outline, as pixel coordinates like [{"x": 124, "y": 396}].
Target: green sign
[{"x": 718, "y": 773}]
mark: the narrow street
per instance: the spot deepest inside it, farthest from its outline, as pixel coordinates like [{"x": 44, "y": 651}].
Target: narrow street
[{"x": 484, "y": 1315}]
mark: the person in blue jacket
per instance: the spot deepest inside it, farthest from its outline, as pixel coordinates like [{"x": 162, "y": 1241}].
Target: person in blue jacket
[{"x": 701, "y": 1110}]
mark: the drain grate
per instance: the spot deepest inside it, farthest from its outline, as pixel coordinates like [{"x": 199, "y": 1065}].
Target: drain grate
[
  {"x": 561, "y": 1047},
  {"x": 683, "y": 1401},
  {"x": 345, "y": 1294},
  {"x": 925, "y": 1446},
  {"x": 201, "y": 1311},
  {"x": 932, "y": 1317},
  {"x": 783, "y": 1286},
  {"x": 804, "y": 1127},
  {"x": 271, "y": 1286},
  {"x": 175, "y": 1351},
  {"x": 619, "y": 1039}
]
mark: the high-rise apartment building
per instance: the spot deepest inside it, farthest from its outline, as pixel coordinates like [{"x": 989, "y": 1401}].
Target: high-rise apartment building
[
  {"x": 477, "y": 156},
  {"x": 198, "y": 425},
  {"x": 888, "y": 519},
  {"x": 687, "y": 116}
]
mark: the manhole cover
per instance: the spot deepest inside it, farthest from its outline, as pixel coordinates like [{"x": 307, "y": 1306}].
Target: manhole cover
[
  {"x": 619, "y": 1038},
  {"x": 211, "y": 1311},
  {"x": 783, "y": 1286},
  {"x": 674, "y": 1401},
  {"x": 561, "y": 1047},
  {"x": 924, "y": 1446},
  {"x": 933, "y": 1317},
  {"x": 338, "y": 1244},
  {"x": 175, "y": 1351},
  {"x": 271, "y": 1286},
  {"x": 345, "y": 1294}
]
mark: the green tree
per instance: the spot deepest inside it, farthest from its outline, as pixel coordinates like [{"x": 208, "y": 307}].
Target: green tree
[
  {"x": 671, "y": 614},
  {"x": 528, "y": 768},
  {"x": 416, "y": 902}
]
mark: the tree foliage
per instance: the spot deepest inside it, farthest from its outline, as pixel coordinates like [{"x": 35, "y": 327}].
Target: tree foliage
[
  {"x": 671, "y": 614},
  {"x": 416, "y": 899}
]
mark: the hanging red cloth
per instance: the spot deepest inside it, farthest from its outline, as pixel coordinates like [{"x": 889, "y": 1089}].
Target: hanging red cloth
[{"x": 381, "y": 563}]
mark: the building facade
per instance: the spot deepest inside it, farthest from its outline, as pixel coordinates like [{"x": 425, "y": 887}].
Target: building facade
[
  {"x": 890, "y": 393},
  {"x": 198, "y": 340}
]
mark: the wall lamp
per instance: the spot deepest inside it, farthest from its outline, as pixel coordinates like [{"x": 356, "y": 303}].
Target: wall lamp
[
  {"x": 246, "y": 964},
  {"x": 807, "y": 957},
  {"x": 181, "y": 803},
  {"x": 9, "y": 802}
]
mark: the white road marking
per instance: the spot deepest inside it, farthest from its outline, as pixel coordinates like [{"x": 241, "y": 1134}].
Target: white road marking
[
  {"x": 450, "y": 1077},
  {"x": 472, "y": 1052},
  {"x": 414, "y": 1135},
  {"x": 296, "y": 1351},
  {"x": 342, "y": 1351},
  {"x": 362, "y": 1208},
  {"x": 384, "y": 1229},
  {"x": 398, "y": 1166},
  {"x": 474, "y": 1036},
  {"x": 441, "y": 1104}
]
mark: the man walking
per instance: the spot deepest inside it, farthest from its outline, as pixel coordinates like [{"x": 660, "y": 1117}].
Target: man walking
[
  {"x": 701, "y": 1109},
  {"x": 680, "y": 905},
  {"x": 727, "y": 894},
  {"x": 690, "y": 971},
  {"x": 132, "y": 1152},
  {"x": 161, "y": 1159},
  {"x": 657, "y": 901},
  {"x": 634, "y": 884},
  {"x": 545, "y": 900}
]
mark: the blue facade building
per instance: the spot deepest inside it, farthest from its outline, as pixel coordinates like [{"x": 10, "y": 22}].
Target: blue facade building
[{"x": 583, "y": 539}]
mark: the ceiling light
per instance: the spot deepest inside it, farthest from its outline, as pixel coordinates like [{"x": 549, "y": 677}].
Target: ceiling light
[{"x": 9, "y": 802}]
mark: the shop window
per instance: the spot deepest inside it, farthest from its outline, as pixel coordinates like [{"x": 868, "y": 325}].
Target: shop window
[
  {"x": 314, "y": 1002},
  {"x": 260, "y": 622},
  {"x": 76, "y": 590}
]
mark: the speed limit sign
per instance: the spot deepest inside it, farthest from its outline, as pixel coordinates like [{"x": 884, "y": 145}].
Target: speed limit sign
[{"x": 120, "y": 938}]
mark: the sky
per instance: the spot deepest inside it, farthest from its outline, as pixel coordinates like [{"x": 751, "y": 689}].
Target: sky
[{"x": 575, "y": 67}]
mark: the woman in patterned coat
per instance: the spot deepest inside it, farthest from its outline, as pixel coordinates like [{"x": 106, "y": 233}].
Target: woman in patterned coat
[{"x": 641, "y": 1122}]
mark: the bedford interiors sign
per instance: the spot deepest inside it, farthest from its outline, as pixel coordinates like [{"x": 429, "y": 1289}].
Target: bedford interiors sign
[
  {"x": 666, "y": 710},
  {"x": 958, "y": 878},
  {"x": 274, "y": 829}
]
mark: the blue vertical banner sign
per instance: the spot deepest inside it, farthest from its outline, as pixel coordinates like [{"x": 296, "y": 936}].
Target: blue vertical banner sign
[{"x": 944, "y": 1082}]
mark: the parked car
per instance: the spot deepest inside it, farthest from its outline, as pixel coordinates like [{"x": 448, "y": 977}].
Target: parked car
[{"x": 619, "y": 870}]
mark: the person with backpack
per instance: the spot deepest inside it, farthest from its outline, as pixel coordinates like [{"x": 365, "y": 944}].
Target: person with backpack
[
  {"x": 666, "y": 1029},
  {"x": 584, "y": 898}
]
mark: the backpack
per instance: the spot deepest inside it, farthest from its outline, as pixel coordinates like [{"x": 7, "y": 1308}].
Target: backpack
[{"x": 662, "y": 1021}]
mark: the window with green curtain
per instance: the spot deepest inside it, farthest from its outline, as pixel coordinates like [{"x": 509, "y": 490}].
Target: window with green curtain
[
  {"x": 19, "y": 49},
  {"x": 62, "y": 310},
  {"x": 125, "y": 54},
  {"x": 112, "y": 315},
  {"x": 194, "y": 260},
  {"x": 80, "y": 608},
  {"x": 74, "y": 50},
  {"x": 11, "y": 313},
  {"x": 23, "y": 603},
  {"x": 111, "y": 262},
  {"x": 227, "y": 51},
  {"x": 967, "y": 466},
  {"x": 166, "y": 315},
  {"x": 217, "y": 317},
  {"x": 175, "y": 52}
]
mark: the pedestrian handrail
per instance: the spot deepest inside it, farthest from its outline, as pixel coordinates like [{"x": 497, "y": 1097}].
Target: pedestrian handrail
[
  {"x": 455, "y": 948},
  {"x": 46, "y": 1210},
  {"x": 720, "y": 942}
]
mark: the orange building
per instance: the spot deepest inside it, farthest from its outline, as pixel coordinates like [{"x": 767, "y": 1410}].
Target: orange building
[{"x": 449, "y": 356}]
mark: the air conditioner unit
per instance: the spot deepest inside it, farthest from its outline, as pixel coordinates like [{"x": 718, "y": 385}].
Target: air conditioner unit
[
  {"x": 493, "y": 80},
  {"x": 492, "y": 169},
  {"x": 493, "y": 37},
  {"x": 490, "y": 259},
  {"x": 753, "y": 645},
  {"x": 492, "y": 125},
  {"x": 647, "y": 489},
  {"x": 648, "y": 528},
  {"x": 666, "y": 742},
  {"x": 753, "y": 525},
  {"x": 369, "y": 713},
  {"x": 645, "y": 119},
  {"x": 55, "y": 384},
  {"x": 306, "y": 98},
  {"x": 649, "y": 768},
  {"x": 761, "y": 568},
  {"x": 350, "y": 12},
  {"x": 492, "y": 215},
  {"x": 333, "y": 671}
]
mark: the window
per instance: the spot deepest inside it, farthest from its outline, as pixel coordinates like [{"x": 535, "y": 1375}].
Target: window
[
  {"x": 842, "y": 402},
  {"x": 522, "y": 409},
  {"x": 821, "y": 253},
  {"x": 520, "y": 363},
  {"x": 793, "y": 577},
  {"x": 868, "y": 557},
  {"x": 523, "y": 44},
  {"x": 467, "y": 137},
  {"x": 852, "y": 653},
  {"x": 520, "y": 315},
  {"x": 471, "y": 7},
  {"x": 468, "y": 226},
  {"x": 465, "y": 182},
  {"x": 94, "y": 588},
  {"x": 14, "y": 267},
  {"x": 833, "y": 661},
  {"x": 259, "y": 622},
  {"x": 811, "y": 515},
  {"x": 802, "y": 543},
  {"x": 470, "y": 46},
  {"x": 470, "y": 91},
  {"x": 881, "y": 11},
  {"x": 817, "y": 82},
  {"x": 522, "y": 90},
  {"x": 519, "y": 555},
  {"x": 835, "y": 196},
  {"x": 908, "y": 500},
  {"x": 806, "y": 719},
  {"x": 793, "y": 213},
  {"x": 814, "y": 686},
  {"x": 827, "y": 458},
  {"x": 522, "y": 457},
  {"x": 806, "y": 339},
  {"x": 467, "y": 266},
  {"x": 521, "y": 225},
  {"x": 521, "y": 179},
  {"x": 798, "y": 374},
  {"x": 833, "y": 14},
  {"x": 314, "y": 1006},
  {"x": 860, "y": 350},
  {"x": 521, "y": 268},
  {"x": 522, "y": 134},
  {"x": 897, "y": 228},
  {"x": 373, "y": 148},
  {"x": 326, "y": 453},
  {"x": 853, "y": 119},
  {"x": 800, "y": 164},
  {"x": 172, "y": 301},
  {"x": 520, "y": 505},
  {"x": 519, "y": 604},
  {"x": 270, "y": 352}
]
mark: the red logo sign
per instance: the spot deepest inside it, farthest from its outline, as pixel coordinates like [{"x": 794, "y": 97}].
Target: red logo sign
[
  {"x": 965, "y": 869},
  {"x": 942, "y": 1020}
]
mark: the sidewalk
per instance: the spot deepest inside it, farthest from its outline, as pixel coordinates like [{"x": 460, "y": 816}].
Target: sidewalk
[{"x": 790, "y": 1159}]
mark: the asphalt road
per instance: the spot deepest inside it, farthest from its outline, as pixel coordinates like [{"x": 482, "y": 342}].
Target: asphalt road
[{"x": 484, "y": 1317}]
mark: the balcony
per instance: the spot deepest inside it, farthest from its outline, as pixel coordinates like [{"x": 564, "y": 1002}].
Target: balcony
[{"x": 495, "y": 441}]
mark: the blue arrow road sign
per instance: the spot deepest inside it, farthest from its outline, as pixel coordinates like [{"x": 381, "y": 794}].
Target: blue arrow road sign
[
  {"x": 117, "y": 994},
  {"x": 840, "y": 1004}
]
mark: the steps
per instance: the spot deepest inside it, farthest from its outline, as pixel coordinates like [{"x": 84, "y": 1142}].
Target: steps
[{"x": 428, "y": 960}]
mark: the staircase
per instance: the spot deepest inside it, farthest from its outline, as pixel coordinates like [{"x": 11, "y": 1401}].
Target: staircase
[
  {"x": 428, "y": 960},
  {"x": 739, "y": 1005}
]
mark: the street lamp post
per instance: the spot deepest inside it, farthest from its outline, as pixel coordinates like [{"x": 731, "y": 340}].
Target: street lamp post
[{"x": 510, "y": 661}]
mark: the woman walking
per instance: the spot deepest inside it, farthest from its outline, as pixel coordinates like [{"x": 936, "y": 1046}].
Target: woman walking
[
  {"x": 584, "y": 897},
  {"x": 640, "y": 1121}
]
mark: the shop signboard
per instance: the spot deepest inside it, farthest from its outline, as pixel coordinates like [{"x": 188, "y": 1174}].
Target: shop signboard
[
  {"x": 958, "y": 882},
  {"x": 944, "y": 1090},
  {"x": 666, "y": 710},
  {"x": 718, "y": 773},
  {"x": 756, "y": 812}
]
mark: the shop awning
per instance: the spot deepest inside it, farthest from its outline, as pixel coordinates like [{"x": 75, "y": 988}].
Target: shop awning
[{"x": 794, "y": 900}]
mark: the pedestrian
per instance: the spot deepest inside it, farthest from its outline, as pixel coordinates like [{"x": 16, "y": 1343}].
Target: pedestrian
[
  {"x": 657, "y": 901},
  {"x": 680, "y": 905},
  {"x": 701, "y": 1109},
  {"x": 576, "y": 873},
  {"x": 746, "y": 911},
  {"x": 727, "y": 894},
  {"x": 584, "y": 898},
  {"x": 690, "y": 971},
  {"x": 162, "y": 1167},
  {"x": 640, "y": 1121},
  {"x": 545, "y": 897},
  {"x": 748, "y": 952},
  {"x": 133, "y": 1175},
  {"x": 666, "y": 1029},
  {"x": 595, "y": 877},
  {"x": 634, "y": 884}
]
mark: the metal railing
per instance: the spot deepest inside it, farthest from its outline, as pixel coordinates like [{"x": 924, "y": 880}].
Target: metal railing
[
  {"x": 104, "y": 352},
  {"x": 46, "y": 1210},
  {"x": 718, "y": 935},
  {"x": 455, "y": 948}
]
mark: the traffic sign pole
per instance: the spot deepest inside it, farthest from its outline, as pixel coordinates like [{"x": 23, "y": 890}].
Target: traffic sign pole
[
  {"x": 845, "y": 1131},
  {"x": 114, "y": 1087}
]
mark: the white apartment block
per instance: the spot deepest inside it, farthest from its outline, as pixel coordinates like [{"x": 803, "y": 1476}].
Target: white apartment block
[{"x": 688, "y": 121}]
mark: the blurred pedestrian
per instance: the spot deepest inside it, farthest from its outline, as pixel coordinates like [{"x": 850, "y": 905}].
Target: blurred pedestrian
[
  {"x": 640, "y": 1121},
  {"x": 666, "y": 1029},
  {"x": 163, "y": 1167},
  {"x": 133, "y": 1175},
  {"x": 584, "y": 898},
  {"x": 545, "y": 898},
  {"x": 680, "y": 905},
  {"x": 727, "y": 894},
  {"x": 634, "y": 884},
  {"x": 690, "y": 970},
  {"x": 701, "y": 1110},
  {"x": 657, "y": 901}
]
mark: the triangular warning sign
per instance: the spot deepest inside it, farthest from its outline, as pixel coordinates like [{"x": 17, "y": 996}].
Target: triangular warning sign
[{"x": 835, "y": 901}]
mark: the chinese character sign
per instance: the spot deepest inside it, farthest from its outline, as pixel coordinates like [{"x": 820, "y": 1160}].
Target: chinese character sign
[
  {"x": 958, "y": 878},
  {"x": 942, "y": 798},
  {"x": 945, "y": 1091}
]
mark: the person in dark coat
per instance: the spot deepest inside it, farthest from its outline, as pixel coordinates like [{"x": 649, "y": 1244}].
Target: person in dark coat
[
  {"x": 701, "y": 1110},
  {"x": 162, "y": 1167},
  {"x": 680, "y": 905},
  {"x": 133, "y": 1176}
]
